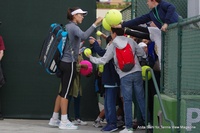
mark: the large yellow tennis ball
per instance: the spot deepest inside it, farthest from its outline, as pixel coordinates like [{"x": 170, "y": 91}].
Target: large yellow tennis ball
[
  {"x": 87, "y": 51},
  {"x": 106, "y": 26},
  {"x": 144, "y": 68},
  {"x": 113, "y": 17}
]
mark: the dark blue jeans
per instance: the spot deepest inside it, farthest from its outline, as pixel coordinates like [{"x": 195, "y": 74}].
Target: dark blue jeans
[
  {"x": 110, "y": 105},
  {"x": 128, "y": 83}
]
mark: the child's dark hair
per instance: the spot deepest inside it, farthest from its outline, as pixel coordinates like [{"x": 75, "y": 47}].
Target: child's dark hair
[
  {"x": 108, "y": 39},
  {"x": 69, "y": 11},
  {"x": 118, "y": 31}
]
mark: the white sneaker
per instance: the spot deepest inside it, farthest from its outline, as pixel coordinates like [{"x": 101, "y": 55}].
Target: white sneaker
[
  {"x": 54, "y": 122},
  {"x": 97, "y": 124},
  {"x": 126, "y": 130},
  {"x": 67, "y": 125},
  {"x": 79, "y": 122}
]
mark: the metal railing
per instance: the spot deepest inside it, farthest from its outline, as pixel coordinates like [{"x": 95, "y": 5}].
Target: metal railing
[{"x": 159, "y": 99}]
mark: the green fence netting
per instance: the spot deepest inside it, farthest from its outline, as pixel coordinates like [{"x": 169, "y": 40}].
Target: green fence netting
[
  {"x": 181, "y": 71},
  {"x": 142, "y": 8}
]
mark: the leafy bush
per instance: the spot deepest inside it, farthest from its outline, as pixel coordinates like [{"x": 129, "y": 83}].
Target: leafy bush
[{"x": 105, "y": 5}]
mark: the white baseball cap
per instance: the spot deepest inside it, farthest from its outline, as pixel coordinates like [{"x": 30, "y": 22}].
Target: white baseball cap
[
  {"x": 142, "y": 45},
  {"x": 77, "y": 11}
]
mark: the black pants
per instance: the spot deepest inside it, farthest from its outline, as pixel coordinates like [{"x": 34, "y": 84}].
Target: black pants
[
  {"x": 139, "y": 32},
  {"x": 67, "y": 78},
  {"x": 152, "y": 92}
]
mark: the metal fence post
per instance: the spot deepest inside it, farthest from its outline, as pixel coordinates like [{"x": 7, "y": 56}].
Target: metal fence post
[{"x": 179, "y": 65}]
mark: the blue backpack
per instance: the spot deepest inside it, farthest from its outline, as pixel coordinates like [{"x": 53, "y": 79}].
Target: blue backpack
[{"x": 52, "y": 48}]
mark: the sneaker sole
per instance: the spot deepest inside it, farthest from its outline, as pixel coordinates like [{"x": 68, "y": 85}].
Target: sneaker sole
[
  {"x": 114, "y": 130},
  {"x": 84, "y": 124},
  {"x": 67, "y": 128},
  {"x": 79, "y": 124},
  {"x": 110, "y": 130},
  {"x": 53, "y": 125},
  {"x": 98, "y": 126}
]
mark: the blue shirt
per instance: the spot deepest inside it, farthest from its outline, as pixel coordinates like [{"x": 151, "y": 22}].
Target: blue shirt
[{"x": 166, "y": 14}]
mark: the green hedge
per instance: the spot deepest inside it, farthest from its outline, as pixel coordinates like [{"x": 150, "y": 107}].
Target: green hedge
[{"x": 108, "y": 6}]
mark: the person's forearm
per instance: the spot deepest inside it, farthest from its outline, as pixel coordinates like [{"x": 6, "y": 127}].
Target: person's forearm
[{"x": 104, "y": 36}]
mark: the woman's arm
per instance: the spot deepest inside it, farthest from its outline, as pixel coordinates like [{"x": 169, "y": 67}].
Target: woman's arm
[{"x": 85, "y": 34}]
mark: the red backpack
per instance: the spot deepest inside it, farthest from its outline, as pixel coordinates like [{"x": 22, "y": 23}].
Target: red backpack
[{"x": 126, "y": 58}]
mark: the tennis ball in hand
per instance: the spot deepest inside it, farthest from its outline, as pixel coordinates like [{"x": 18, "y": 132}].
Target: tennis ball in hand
[
  {"x": 99, "y": 33},
  {"x": 87, "y": 51}
]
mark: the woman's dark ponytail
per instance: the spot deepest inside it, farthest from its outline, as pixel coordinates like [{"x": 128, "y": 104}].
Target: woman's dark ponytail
[{"x": 69, "y": 12}]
